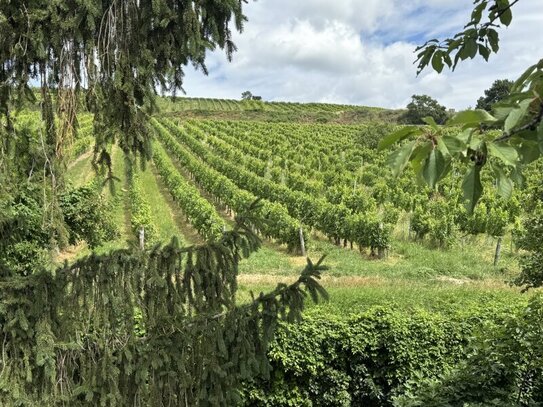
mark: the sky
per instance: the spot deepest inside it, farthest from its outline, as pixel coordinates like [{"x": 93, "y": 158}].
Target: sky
[{"x": 361, "y": 52}]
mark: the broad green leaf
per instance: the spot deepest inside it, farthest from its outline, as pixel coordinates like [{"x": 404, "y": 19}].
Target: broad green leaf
[
  {"x": 507, "y": 154},
  {"x": 516, "y": 115},
  {"x": 505, "y": 183},
  {"x": 471, "y": 47},
  {"x": 399, "y": 158},
  {"x": 465, "y": 136},
  {"x": 472, "y": 188},
  {"x": 519, "y": 83},
  {"x": 493, "y": 39},
  {"x": 506, "y": 16},
  {"x": 442, "y": 147},
  {"x": 434, "y": 168},
  {"x": 447, "y": 59},
  {"x": 471, "y": 118},
  {"x": 454, "y": 144},
  {"x": 437, "y": 62},
  {"x": 429, "y": 120},
  {"x": 484, "y": 52},
  {"x": 396, "y": 136},
  {"x": 517, "y": 176},
  {"x": 529, "y": 151},
  {"x": 478, "y": 12},
  {"x": 464, "y": 52},
  {"x": 419, "y": 156},
  {"x": 475, "y": 142},
  {"x": 501, "y": 112}
]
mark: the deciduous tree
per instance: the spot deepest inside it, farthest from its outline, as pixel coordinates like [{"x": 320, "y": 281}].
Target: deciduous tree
[
  {"x": 500, "y": 89},
  {"x": 422, "y": 106}
]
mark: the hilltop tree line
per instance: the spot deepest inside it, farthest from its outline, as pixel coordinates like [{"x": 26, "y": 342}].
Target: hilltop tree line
[{"x": 422, "y": 106}]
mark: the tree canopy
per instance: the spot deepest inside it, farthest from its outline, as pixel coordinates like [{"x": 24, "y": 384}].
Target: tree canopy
[
  {"x": 107, "y": 57},
  {"x": 110, "y": 57},
  {"x": 247, "y": 95},
  {"x": 500, "y": 89},
  {"x": 422, "y": 106},
  {"x": 502, "y": 142}
]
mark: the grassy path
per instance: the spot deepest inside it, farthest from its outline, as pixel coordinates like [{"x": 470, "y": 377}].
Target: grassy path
[
  {"x": 407, "y": 260},
  {"x": 350, "y": 296},
  {"x": 80, "y": 171},
  {"x": 119, "y": 201},
  {"x": 164, "y": 216},
  {"x": 190, "y": 235}
]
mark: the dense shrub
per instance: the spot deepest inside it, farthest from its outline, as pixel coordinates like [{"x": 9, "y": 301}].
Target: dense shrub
[
  {"x": 364, "y": 360},
  {"x": 531, "y": 236},
  {"x": 141, "y": 214},
  {"x": 436, "y": 220},
  {"x": 502, "y": 367},
  {"x": 87, "y": 215},
  {"x": 24, "y": 236}
]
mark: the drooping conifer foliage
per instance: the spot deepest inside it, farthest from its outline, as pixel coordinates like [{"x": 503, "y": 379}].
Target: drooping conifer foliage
[
  {"x": 155, "y": 328},
  {"x": 109, "y": 57},
  {"x": 119, "y": 51}
]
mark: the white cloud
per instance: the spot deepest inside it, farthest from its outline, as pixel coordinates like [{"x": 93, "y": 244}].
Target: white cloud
[{"x": 360, "y": 52}]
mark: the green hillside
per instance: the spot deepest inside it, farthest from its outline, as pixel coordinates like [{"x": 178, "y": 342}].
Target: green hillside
[{"x": 275, "y": 111}]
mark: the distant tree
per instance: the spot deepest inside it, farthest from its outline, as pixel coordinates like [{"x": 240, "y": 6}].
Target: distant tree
[
  {"x": 422, "y": 106},
  {"x": 257, "y": 97},
  {"x": 499, "y": 90},
  {"x": 247, "y": 95}
]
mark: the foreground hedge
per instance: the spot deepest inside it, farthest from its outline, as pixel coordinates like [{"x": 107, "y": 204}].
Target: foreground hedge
[{"x": 366, "y": 360}]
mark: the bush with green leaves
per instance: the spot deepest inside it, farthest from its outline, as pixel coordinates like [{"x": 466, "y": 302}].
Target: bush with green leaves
[
  {"x": 529, "y": 235},
  {"x": 366, "y": 359},
  {"x": 502, "y": 367},
  {"x": 24, "y": 241},
  {"x": 155, "y": 328},
  {"x": 87, "y": 215},
  {"x": 140, "y": 210},
  {"x": 531, "y": 240},
  {"x": 435, "y": 220}
]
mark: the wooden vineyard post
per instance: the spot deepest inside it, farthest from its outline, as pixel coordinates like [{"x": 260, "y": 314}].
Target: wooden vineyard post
[
  {"x": 498, "y": 251},
  {"x": 302, "y": 241}
]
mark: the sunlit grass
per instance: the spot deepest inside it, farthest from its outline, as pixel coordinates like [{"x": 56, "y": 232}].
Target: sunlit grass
[{"x": 347, "y": 297}]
